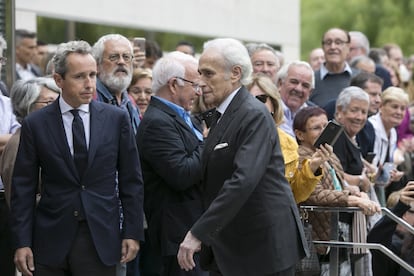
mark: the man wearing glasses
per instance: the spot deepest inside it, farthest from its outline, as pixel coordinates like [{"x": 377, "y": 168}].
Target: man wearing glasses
[
  {"x": 114, "y": 55},
  {"x": 170, "y": 150},
  {"x": 335, "y": 74}
]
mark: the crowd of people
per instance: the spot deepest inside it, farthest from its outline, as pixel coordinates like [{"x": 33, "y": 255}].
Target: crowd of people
[{"x": 120, "y": 159}]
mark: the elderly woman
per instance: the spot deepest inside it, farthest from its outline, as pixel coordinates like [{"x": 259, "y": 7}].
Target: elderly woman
[
  {"x": 303, "y": 180},
  {"x": 394, "y": 102},
  {"x": 26, "y": 97},
  {"x": 308, "y": 124},
  {"x": 140, "y": 89},
  {"x": 352, "y": 112}
]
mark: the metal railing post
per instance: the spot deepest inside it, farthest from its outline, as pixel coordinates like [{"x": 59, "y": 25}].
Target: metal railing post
[
  {"x": 334, "y": 251},
  {"x": 334, "y": 244}
]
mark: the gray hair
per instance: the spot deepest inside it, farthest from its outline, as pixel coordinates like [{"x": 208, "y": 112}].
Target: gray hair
[
  {"x": 24, "y": 94},
  {"x": 361, "y": 39},
  {"x": 283, "y": 72},
  {"x": 233, "y": 53},
  {"x": 99, "y": 46},
  {"x": 169, "y": 66},
  {"x": 21, "y": 34},
  {"x": 348, "y": 94},
  {"x": 256, "y": 47},
  {"x": 361, "y": 59},
  {"x": 64, "y": 50}
]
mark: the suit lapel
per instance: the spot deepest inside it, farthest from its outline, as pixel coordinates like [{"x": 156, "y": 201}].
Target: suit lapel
[
  {"x": 56, "y": 129},
  {"x": 216, "y": 136},
  {"x": 160, "y": 105},
  {"x": 96, "y": 119}
]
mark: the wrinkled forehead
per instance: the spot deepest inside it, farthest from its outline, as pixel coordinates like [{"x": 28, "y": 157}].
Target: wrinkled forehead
[
  {"x": 117, "y": 46},
  {"x": 336, "y": 34}
]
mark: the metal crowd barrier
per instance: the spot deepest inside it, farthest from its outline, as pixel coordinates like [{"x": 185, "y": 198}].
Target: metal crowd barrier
[{"x": 335, "y": 244}]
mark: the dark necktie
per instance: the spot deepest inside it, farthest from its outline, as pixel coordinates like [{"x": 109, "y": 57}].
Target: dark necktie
[
  {"x": 80, "y": 151},
  {"x": 215, "y": 119}
]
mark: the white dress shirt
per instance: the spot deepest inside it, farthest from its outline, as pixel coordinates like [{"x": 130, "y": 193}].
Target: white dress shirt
[{"x": 67, "y": 118}]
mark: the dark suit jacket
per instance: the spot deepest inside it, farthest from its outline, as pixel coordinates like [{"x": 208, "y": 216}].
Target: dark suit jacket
[
  {"x": 50, "y": 228},
  {"x": 251, "y": 220},
  {"x": 171, "y": 165}
]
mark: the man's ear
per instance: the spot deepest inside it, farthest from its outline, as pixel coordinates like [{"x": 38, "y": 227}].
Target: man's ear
[
  {"x": 58, "y": 79},
  {"x": 172, "y": 85},
  {"x": 279, "y": 83},
  {"x": 236, "y": 73}
]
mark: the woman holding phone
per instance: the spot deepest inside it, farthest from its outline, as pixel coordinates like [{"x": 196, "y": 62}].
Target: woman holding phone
[
  {"x": 302, "y": 180},
  {"x": 332, "y": 190}
]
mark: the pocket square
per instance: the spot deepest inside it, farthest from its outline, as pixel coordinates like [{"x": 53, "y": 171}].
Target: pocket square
[{"x": 220, "y": 146}]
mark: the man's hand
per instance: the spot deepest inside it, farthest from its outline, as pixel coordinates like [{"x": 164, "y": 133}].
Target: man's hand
[
  {"x": 23, "y": 259},
  {"x": 188, "y": 247},
  {"x": 130, "y": 249}
]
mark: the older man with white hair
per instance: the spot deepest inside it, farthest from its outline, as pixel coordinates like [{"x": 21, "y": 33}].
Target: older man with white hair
[{"x": 114, "y": 55}]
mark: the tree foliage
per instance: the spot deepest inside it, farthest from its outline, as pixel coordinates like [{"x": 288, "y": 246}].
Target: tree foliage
[
  {"x": 382, "y": 21},
  {"x": 54, "y": 31}
]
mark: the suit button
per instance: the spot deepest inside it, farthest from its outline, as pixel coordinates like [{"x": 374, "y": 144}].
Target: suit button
[
  {"x": 83, "y": 187},
  {"x": 76, "y": 213}
]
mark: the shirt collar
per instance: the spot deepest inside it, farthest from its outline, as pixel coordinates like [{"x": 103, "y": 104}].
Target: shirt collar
[
  {"x": 65, "y": 107},
  {"x": 290, "y": 114},
  {"x": 179, "y": 109},
  {"x": 223, "y": 106},
  {"x": 324, "y": 71},
  {"x": 19, "y": 67}
]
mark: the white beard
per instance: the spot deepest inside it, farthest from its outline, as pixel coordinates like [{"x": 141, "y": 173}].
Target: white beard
[{"x": 115, "y": 83}]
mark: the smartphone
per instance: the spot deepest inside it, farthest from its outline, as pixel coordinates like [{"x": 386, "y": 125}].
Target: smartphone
[
  {"x": 329, "y": 134},
  {"x": 139, "y": 42},
  {"x": 370, "y": 156}
]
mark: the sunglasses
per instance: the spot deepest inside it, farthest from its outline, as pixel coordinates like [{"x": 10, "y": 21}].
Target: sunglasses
[{"x": 262, "y": 98}]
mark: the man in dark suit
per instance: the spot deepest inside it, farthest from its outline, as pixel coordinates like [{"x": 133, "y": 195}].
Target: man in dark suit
[
  {"x": 251, "y": 224},
  {"x": 170, "y": 151},
  {"x": 79, "y": 146},
  {"x": 26, "y": 48}
]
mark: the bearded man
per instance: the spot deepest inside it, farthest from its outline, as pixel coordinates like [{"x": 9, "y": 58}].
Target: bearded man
[{"x": 114, "y": 56}]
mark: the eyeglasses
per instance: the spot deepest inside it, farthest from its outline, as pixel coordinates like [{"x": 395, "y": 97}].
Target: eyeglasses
[
  {"x": 337, "y": 42},
  {"x": 3, "y": 60},
  {"x": 262, "y": 98},
  {"x": 317, "y": 128},
  {"x": 116, "y": 57},
  {"x": 45, "y": 102},
  {"x": 195, "y": 86}
]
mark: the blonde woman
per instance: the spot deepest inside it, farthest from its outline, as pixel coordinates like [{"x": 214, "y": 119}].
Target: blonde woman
[
  {"x": 394, "y": 103},
  {"x": 140, "y": 89},
  {"x": 302, "y": 181}
]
